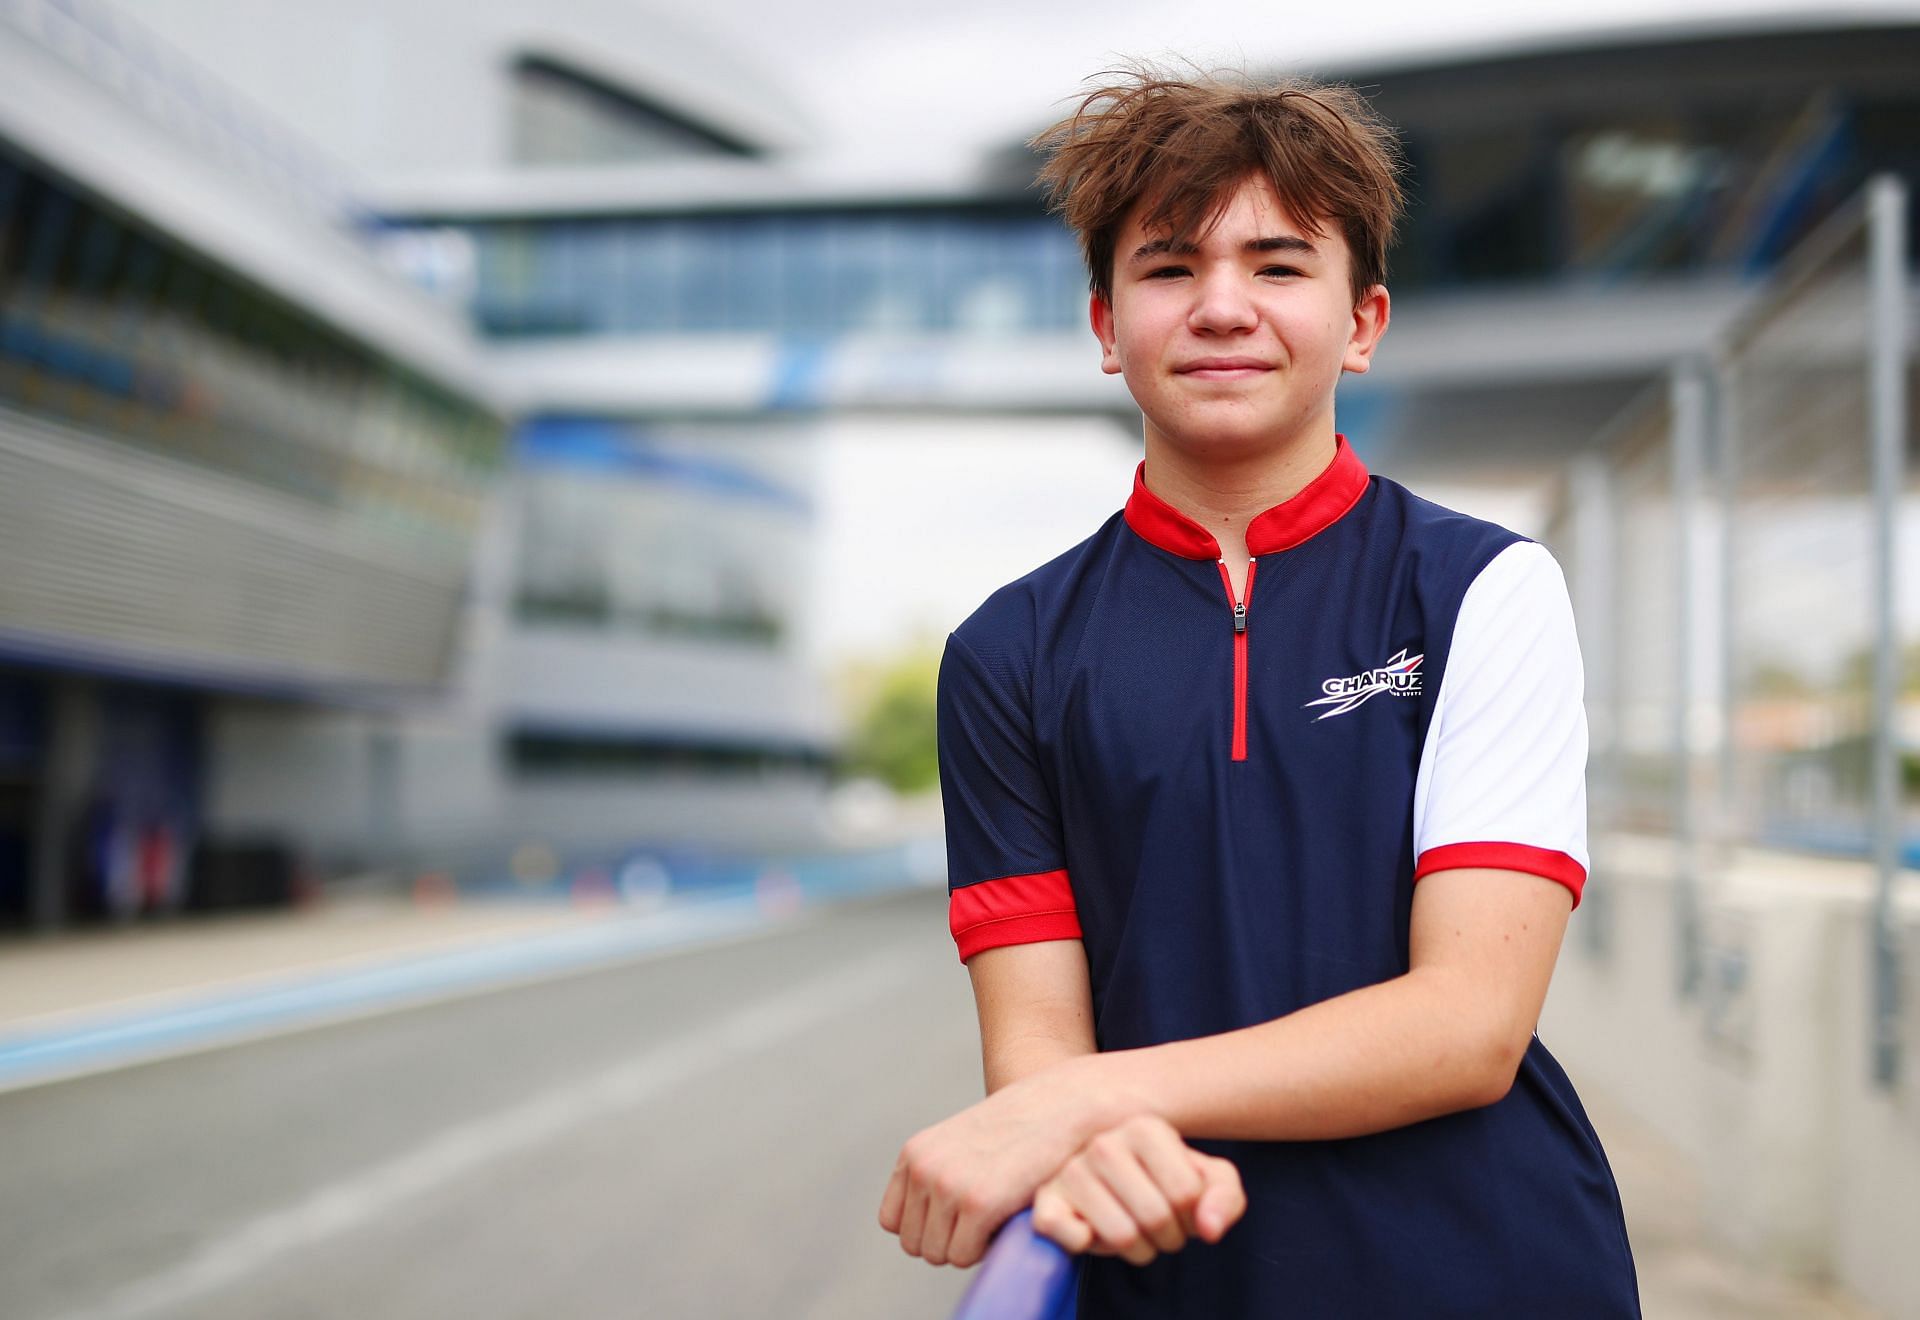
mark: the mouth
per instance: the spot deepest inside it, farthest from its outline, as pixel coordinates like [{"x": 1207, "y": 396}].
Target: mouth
[{"x": 1224, "y": 368}]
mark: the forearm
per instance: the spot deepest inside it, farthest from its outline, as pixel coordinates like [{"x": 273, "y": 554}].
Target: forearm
[
  {"x": 1010, "y": 1060},
  {"x": 1036, "y": 1008},
  {"x": 1379, "y": 1057}
]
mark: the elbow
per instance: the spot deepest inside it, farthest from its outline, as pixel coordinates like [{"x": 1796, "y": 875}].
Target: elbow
[
  {"x": 1500, "y": 1054},
  {"x": 1495, "y": 1086},
  {"x": 1484, "y": 1042}
]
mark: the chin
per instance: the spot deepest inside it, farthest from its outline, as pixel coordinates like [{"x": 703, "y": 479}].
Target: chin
[{"x": 1223, "y": 438}]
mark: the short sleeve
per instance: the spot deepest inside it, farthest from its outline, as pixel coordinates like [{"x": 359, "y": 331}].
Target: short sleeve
[
  {"x": 1006, "y": 870},
  {"x": 1502, "y": 780}
]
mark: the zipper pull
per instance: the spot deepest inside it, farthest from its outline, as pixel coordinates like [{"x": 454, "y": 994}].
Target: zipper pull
[{"x": 1240, "y": 617}]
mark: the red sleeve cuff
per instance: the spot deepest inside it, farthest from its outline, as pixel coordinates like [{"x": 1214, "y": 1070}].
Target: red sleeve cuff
[
  {"x": 1545, "y": 862},
  {"x": 1014, "y": 909}
]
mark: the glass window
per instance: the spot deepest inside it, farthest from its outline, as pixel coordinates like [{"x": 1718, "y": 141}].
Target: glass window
[
  {"x": 697, "y": 535},
  {"x": 12, "y": 214},
  {"x": 566, "y": 116},
  {"x": 807, "y": 274},
  {"x": 105, "y": 321}
]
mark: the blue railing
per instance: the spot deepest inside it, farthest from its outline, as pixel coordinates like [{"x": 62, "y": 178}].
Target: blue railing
[{"x": 1024, "y": 1277}]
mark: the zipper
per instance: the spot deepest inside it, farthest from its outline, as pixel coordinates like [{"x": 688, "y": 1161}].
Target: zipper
[{"x": 1239, "y": 657}]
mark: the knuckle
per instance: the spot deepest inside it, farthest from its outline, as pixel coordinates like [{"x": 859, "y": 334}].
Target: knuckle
[{"x": 1070, "y": 1239}]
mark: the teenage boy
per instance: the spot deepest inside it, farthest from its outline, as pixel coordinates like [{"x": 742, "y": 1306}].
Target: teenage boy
[{"x": 1266, "y": 803}]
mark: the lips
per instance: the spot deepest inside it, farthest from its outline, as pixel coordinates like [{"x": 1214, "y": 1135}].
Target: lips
[{"x": 1222, "y": 368}]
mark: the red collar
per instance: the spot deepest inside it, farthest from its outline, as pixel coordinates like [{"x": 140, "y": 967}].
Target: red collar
[{"x": 1318, "y": 505}]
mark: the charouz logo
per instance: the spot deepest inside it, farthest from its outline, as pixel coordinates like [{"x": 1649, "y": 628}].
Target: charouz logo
[{"x": 1399, "y": 676}]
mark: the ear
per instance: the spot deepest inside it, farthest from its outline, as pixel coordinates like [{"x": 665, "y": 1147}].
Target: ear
[
  {"x": 1100, "y": 313},
  {"x": 1370, "y": 316}
]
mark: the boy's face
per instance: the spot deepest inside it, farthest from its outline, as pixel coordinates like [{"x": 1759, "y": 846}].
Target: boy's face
[{"x": 1232, "y": 348}]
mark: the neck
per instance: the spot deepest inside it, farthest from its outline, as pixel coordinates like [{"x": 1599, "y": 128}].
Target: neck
[{"x": 1224, "y": 494}]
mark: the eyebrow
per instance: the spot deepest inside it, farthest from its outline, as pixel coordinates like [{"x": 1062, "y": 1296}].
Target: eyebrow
[{"x": 1275, "y": 243}]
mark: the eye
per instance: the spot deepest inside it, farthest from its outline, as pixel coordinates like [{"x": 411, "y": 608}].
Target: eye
[
  {"x": 1166, "y": 270},
  {"x": 1279, "y": 270}
]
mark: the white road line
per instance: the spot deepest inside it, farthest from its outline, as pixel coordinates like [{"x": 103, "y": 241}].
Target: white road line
[{"x": 366, "y": 1196}]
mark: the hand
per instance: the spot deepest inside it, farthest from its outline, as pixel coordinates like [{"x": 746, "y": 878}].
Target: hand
[
  {"x": 1137, "y": 1190},
  {"x": 959, "y": 1180}
]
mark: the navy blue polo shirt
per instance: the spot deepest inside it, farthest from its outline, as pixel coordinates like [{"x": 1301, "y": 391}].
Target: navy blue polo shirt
[{"x": 1229, "y": 801}]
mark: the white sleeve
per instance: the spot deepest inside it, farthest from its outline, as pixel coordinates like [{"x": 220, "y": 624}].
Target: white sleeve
[{"x": 1503, "y": 774}]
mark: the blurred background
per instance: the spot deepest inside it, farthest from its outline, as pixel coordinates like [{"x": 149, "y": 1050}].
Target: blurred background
[{"x": 483, "y": 490}]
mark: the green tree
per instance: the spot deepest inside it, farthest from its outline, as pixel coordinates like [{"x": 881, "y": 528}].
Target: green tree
[{"x": 893, "y": 737}]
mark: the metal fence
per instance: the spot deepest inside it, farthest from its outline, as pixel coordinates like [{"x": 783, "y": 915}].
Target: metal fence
[
  {"x": 1733, "y": 544},
  {"x": 1802, "y": 558}
]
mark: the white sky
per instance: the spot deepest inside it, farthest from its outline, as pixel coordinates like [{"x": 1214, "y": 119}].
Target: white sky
[{"x": 921, "y": 519}]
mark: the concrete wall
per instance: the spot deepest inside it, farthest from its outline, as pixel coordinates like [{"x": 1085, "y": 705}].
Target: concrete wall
[
  {"x": 347, "y": 787},
  {"x": 357, "y": 789},
  {"x": 776, "y": 810},
  {"x": 1762, "y": 1074}
]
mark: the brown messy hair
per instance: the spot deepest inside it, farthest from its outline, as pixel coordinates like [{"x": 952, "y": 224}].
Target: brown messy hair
[{"x": 1181, "y": 147}]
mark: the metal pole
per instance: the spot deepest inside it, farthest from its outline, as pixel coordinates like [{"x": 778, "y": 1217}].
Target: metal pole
[
  {"x": 1590, "y": 493},
  {"x": 1728, "y": 826},
  {"x": 1886, "y": 411},
  {"x": 1689, "y": 401}
]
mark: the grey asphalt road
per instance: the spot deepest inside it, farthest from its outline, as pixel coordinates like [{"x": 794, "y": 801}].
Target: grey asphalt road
[{"x": 702, "y": 1135}]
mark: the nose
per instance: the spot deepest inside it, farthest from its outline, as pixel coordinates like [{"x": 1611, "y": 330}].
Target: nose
[{"x": 1222, "y": 303}]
